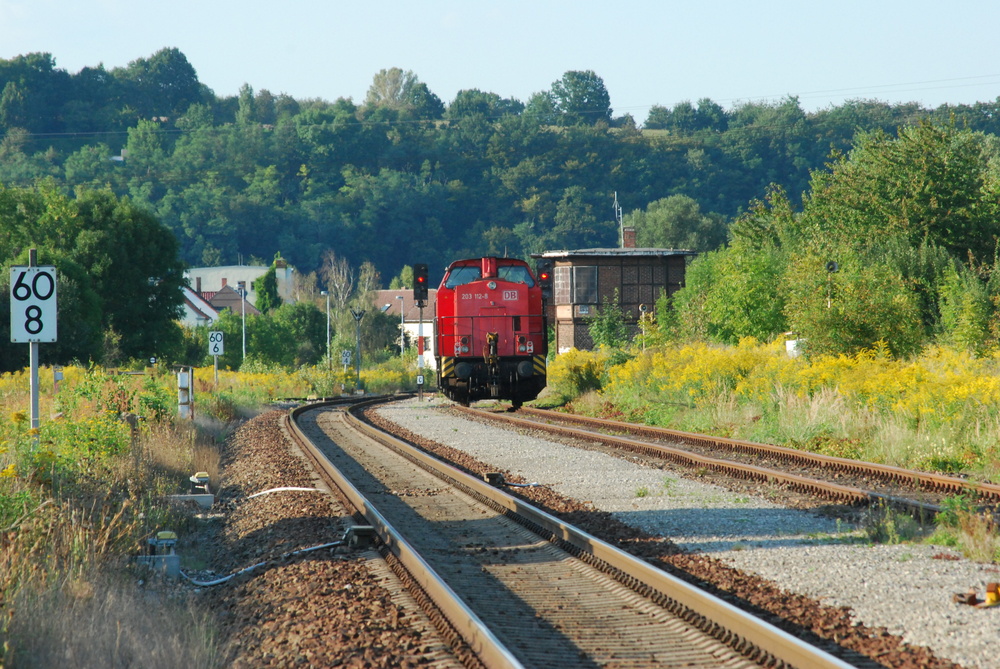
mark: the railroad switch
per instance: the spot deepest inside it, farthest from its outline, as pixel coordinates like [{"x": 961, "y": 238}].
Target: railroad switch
[
  {"x": 495, "y": 479},
  {"x": 360, "y": 536}
]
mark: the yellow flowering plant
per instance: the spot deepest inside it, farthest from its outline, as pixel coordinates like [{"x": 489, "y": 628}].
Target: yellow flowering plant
[{"x": 859, "y": 405}]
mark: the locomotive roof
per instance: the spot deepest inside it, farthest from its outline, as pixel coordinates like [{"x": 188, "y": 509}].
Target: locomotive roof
[{"x": 476, "y": 261}]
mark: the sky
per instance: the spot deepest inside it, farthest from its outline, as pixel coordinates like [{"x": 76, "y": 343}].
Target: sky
[{"x": 647, "y": 52}]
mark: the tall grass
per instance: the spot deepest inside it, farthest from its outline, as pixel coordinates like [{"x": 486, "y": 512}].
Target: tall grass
[
  {"x": 82, "y": 493},
  {"x": 78, "y": 497},
  {"x": 936, "y": 412},
  {"x": 939, "y": 411}
]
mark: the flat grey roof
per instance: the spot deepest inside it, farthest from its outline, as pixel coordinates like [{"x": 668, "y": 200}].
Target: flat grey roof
[{"x": 580, "y": 253}]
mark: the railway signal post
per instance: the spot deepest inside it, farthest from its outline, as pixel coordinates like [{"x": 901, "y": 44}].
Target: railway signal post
[{"x": 420, "y": 293}]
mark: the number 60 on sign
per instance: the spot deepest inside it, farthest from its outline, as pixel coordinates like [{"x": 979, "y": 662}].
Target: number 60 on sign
[{"x": 33, "y": 304}]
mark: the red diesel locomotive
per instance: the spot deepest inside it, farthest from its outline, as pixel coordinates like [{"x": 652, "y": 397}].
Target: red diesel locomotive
[{"x": 489, "y": 331}]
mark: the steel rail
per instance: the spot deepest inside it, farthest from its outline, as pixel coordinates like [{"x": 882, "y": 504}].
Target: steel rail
[
  {"x": 837, "y": 492},
  {"x": 488, "y": 649},
  {"x": 669, "y": 590},
  {"x": 927, "y": 480}
]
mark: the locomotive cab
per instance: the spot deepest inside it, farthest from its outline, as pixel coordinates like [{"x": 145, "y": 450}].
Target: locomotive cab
[{"x": 490, "y": 331}]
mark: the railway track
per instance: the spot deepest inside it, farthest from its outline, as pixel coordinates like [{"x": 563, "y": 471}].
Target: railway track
[
  {"x": 515, "y": 586},
  {"x": 838, "y": 479}
]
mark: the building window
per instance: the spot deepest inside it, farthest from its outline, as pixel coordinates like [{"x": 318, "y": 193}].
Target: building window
[{"x": 576, "y": 285}]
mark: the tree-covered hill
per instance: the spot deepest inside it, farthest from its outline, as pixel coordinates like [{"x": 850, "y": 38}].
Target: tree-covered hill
[{"x": 402, "y": 176}]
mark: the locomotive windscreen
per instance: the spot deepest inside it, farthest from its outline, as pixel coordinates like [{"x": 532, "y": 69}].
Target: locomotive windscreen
[{"x": 459, "y": 276}]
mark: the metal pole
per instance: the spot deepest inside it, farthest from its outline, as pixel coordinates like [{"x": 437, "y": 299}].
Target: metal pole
[
  {"x": 357, "y": 367},
  {"x": 243, "y": 307},
  {"x": 329, "y": 359},
  {"x": 420, "y": 350},
  {"x": 33, "y": 364},
  {"x": 358, "y": 315}
]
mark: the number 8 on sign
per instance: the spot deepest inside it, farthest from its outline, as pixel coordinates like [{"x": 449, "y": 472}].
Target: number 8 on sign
[{"x": 33, "y": 304}]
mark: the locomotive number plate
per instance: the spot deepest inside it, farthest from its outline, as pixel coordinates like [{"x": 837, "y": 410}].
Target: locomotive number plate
[{"x": 473, "y": 296}]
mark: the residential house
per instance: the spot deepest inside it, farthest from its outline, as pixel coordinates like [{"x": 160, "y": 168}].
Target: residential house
[{"x": 401, "y": 305}]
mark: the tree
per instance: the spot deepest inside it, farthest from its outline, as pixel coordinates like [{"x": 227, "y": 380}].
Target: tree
[
  {"x": 658, "y": 118},
  {"x": 165, "y": 84},
  {"x": 403, "y": 92},
  {"x": 135, "y": 268},
  {"x": 303, "y": 328},
  {"x": 266, "y": 287},
  {"x": 574, "y": 224},
  {"x": 863, "y": 305},
  {"x": 391, "y": 88},
  {"x": 608, "y": 328},
  {"x": 931, "y": 185},
  {"x": 541, "y": 109},
  {"x": 12, "y": 107},
  {"x": 247, "y": 112},
  {"x": 119, "y": 273},
  {"x": 403, "y": 280},
  {"x": 581, "y": 97},
  {"x": 677, "y": 222},
  {"x": 423, "y": 104},
  {"x": 472, "y": 102}
]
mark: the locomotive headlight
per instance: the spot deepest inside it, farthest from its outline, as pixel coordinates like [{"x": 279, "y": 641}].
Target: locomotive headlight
[
  {"x": 465, "y": 345},
  {"x": 492, "y": 285}
]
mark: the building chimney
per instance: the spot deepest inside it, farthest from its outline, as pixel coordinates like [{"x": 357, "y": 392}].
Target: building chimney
[
  {"x": 223, "y": 282},
  {"x": 628, "y": 238},
  {"x": 197, "y": 285}
]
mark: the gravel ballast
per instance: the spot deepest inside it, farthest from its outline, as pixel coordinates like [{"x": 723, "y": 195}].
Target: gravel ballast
[{"x": 906, "y": 588}]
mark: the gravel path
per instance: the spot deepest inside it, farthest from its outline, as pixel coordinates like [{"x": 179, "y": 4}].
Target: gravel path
[{"x": 905, "y": 588}]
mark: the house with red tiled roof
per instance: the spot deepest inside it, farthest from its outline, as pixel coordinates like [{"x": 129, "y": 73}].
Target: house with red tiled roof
[
  {"x": 400, "y": 304},
  {"x": 228, "y": 298},
  {"x": 207, "y": 281},
  {"x": 197, "y": 309}
]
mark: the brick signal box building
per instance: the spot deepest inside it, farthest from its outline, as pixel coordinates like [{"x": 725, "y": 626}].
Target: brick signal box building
[{"x": 585, "y": 279}]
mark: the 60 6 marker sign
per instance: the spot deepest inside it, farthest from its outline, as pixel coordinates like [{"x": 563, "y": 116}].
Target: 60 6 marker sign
[{"x": 33, "y": 304}]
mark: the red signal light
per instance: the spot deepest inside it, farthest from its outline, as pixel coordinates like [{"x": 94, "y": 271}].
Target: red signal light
[
  {"x": 543, "y": 269},
  {"x": 420, "y": 282}
]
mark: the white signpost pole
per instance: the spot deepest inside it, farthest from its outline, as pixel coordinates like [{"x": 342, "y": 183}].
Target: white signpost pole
[{"x": 33, "y": 316}]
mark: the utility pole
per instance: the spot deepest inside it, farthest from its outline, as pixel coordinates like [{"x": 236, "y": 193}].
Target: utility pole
[
  {"x": 402, "y": 325},
  {"x": 242, "y": 285},
  {"x": 329, "y": 360}
]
